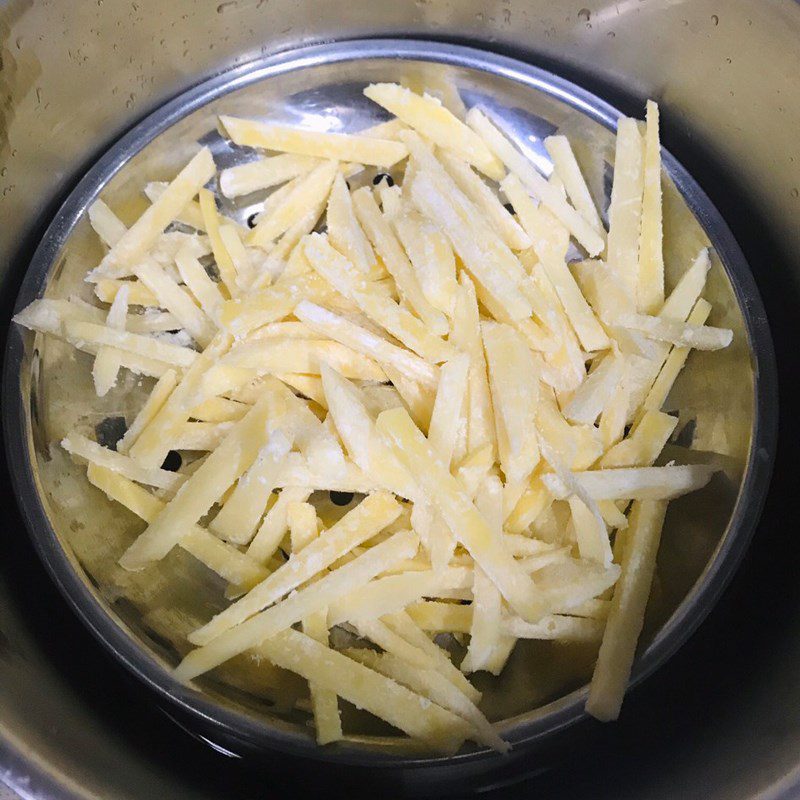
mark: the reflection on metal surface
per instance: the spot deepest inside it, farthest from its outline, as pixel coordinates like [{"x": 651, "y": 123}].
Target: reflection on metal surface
[{"x": 540, "y": 691}]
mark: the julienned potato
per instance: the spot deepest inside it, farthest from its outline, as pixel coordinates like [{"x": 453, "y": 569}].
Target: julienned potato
[{"x": 433, "y": 352}]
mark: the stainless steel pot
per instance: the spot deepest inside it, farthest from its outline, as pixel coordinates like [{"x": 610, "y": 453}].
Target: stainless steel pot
[{"x": 47, "y": 680}]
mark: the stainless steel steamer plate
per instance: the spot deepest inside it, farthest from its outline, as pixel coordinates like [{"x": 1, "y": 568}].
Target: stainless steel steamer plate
[{"x": 320, "y": 86}]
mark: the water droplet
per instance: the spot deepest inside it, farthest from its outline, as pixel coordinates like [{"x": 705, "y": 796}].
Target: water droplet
[
  {"x": 685, "y": 23},
  {"x": 729, "y": 61},
  {"x": 795, "y": 192},
  {"x": 584, "y": 14},
  {"x": 714, "y": 20},
  {"x": 223, "y": 7},
  {"x": 3, "y": 172},
  {"x": 611, "y": 35}
]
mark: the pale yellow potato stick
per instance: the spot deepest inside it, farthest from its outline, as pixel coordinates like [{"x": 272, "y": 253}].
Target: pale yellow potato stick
[
  {"x": 435, "y": 687},
  {"x": 430, "y": 118},
  {"x": 211, "y": 219},
  {"x": 239, "y": 517},
  {"x": 384, "y": 130},
  {"x": 89, "y": 333},
  {"x": 491, "y": 263},
  {"x": 143, "y": 234},
  {"x": 153, "y": 443},
  {"x": 201, "y": 435},
  {"x": 283, "y": 330},
  {"x": 603, "y": 289},
  {"x": 340, "y": 146},
  {"x": 302, "y": 521},
  {"x": 107, "y": 361},
  {"x": 474, "y": 468},
  {"x": 276, "y": 356},
  {"x": 487, "y": 201},
  {"x": 557, "y": 628},
  {"x": 612, "y": 516},
  {"x": 199, "y": 284},
  {"x": 412, "y": 713},
  {"x": 432, "y": 257},
  {"x": 107, "y": 225},
  {"x": 392, "y": 642},
  {"x": 673, "y": 364},
  {"x": 626, "y": 615},
  {"x": 635, "y": 483},
  {"x": 404, "y": 626},
  {"x": 564, "y": 367},
  {"x": 274, "y": 526},
  {"x": 416, "y": 397},
  {"x": 577, "y": 446},
  {"x": 568, "y": 170},
  {"x": 393, "y": 593},
  {"x": 368, "y": 344},
  {"x": 369, "y": 517},
  {"x": 523, "y": 545},
  {"x": 311, "y": 192},
  {"x": 699, "y": 337},
  {"x": 138, "y": 294},
  {"x": 223, "y": 559},
  {"x": 391, "y": 200},
  {"x": 625, "y": 210},
  {"x": 650, "y": 294},
  {"x": 232, "y": 242},
  {"x": 245, "y": 314},
  {"x": 571, "y": 582},
  {"x": 302, "y": 518},
  {"x": 485, "y": 631},
  {"x": 594, "y": 394},
  {"x": 300, "y": 604},
  {"x": 176, "y": 300},
  {"x": 436, "y": 616},
  {"x": 191, "y": 214},
  {"x": 449, "y": 407},
  {"x": 466, "y": 335},
  {"x": 380, "y": 233},
  {"x": 344, "y": 231},
  {"x": 549, "y": 195},
  {"x": 222, "y": 467},
  {"x": 534, "y": 500},
  {"x": 346, "y": 477},
  {"x": 155, "y": 400},
  {"x": 357, "y": 431},
  {"x": 591, "y": 534},
  {"x": 677, "y": 308},
  {"x": 687, "y": 291},
  {"x": 614, "y": 415},
  {"x": 470, "y": 528},
  {"x": 644, "y": 443},
  {"x": 515, "y": 394},
  {"x": 219, "y": 409},
  {"x": 78, "y": 445},
  {"x": 382, "y": 310},
  {"x": 550, "y": 241},
  {"x": 263, "y": 173},
  {"x": 309, "y": 386},
  {"x": 324, "y": 701}
]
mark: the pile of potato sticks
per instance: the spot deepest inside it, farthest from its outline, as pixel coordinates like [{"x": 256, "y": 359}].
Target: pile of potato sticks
[{"x": 428, "y": 342}]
